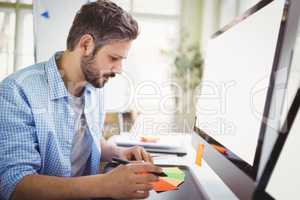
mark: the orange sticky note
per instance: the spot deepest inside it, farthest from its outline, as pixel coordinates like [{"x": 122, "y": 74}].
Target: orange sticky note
[
  {"x": 149, "y": 138},
  {"x": 172, "y": 181},
  {"x": 162, "y": 186},
  {"x": 199, "y": 154},
  {"x": 220, "y": 149}
]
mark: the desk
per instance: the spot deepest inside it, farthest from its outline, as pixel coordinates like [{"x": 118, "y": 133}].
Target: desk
[{"x": 213, "y": 186}]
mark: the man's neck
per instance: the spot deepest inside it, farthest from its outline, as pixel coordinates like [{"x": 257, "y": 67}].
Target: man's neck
[{"x": 69, "y": 67}]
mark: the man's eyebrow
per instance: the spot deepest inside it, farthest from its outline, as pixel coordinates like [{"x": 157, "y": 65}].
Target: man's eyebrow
[{"x": 118, "y": 56}]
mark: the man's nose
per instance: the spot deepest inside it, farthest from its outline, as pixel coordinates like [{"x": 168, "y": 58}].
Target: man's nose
[{"x": 117, "y": 69}]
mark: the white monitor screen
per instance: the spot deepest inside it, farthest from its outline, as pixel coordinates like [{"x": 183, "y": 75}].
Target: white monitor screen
[
  {"x": 237, "y": 71},
  {"x": 284, "y": 181}
]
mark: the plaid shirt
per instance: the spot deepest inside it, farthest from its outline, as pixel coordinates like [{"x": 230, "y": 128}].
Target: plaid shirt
[{"x": 37, "y": 125}]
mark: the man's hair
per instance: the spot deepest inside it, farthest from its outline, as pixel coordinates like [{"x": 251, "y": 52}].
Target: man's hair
[{"x": 104, "y": 21}]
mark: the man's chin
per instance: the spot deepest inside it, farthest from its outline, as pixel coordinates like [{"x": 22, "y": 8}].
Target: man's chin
[{"x": 98, "y": 84}]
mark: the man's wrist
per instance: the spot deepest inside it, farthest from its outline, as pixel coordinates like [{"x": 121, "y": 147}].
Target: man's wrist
[
  {"x": 109, "y": 151},
  {"x": 116, "y": 151}
]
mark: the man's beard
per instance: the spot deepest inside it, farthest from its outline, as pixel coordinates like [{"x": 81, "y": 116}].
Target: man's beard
[{"x": 92, "y": 76}]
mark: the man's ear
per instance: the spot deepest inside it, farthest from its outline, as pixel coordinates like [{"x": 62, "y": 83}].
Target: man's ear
[{"x": 86, "y": 44}]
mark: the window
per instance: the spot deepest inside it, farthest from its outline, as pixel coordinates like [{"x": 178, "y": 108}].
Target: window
[
  {"x": 246, "y": 4},
  {"x": 218, "y": 13},
  {"x": 16, "y": 31},
  {"x": 7, "y": 18},
  {"x": 166, "y": 7},
  {"x": 231, "y": 8}
]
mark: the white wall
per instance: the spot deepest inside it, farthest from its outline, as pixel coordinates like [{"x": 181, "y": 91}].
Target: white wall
[
  {"x": 210, "y": 20},
  {"x": 51, "y": 34}
]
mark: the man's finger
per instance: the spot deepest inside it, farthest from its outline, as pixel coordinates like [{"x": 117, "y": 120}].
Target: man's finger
[
  {"x": 137, "y": 154},
  {"x": 140, "y": 194},
  {"x": 144, "y": 187},
  {"x": 146, "y": 156},
  {"x": 150, "y": 158},
  {"x": 144, "y": 167},
  {"x": 145, "y": 178}
]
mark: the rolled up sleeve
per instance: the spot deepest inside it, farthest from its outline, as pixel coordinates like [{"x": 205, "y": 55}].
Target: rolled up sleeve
[{"x": 19, "y": 152}]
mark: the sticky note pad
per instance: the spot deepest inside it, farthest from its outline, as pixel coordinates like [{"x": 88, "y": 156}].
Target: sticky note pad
[
  {"x": 174, "y": 172},
  {"x": 220, "y": 149},
  {"x": 175, "y": 177},
  {"x": 172, "y": 181},
  {"x": 199, "y": 154},
  {"x": 149, "y": 138},
  {"x": 162, "y": 186}
]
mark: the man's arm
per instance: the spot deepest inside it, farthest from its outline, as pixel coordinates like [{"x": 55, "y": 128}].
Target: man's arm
[
  {"x": 19, "y": 155},
  {"x": 50, "y": 187},
  {"x": 125, "y": 181}
]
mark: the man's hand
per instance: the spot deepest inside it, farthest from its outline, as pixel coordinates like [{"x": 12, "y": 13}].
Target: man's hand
[
  {"x": 132, "y": 181},
  {"x": 108, "y": 151},
  {"x": 135, "y": 153}
]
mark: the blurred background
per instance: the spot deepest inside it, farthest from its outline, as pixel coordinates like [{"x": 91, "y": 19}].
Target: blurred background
[{"x": 164, "y": 66}]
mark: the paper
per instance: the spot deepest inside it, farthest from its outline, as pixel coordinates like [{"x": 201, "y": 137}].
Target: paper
[
  {"x": 172, "y": 181},
  {"x": 199, "y": 154},
  {"x": 175, "y": 177},
  {"x": 174, "y": 172},
  {"x": 162, "y": 186},
  {"x": 149, "y": 138},
  {"x": 164, "y": 142}
]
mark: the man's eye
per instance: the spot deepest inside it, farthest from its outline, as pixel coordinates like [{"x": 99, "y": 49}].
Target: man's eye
[{"x": 114, "y": 58}]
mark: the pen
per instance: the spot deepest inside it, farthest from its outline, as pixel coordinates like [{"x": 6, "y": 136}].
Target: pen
[{"x": 125, "y": 162}]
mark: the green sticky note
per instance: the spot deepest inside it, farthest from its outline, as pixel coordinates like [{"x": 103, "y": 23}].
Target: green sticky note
[{"x": 174, "y": 172}]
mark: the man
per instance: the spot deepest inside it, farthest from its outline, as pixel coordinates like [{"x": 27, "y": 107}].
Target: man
[{"x": 51, "y": 117}]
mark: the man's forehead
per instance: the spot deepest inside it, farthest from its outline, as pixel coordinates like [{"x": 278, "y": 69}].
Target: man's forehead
[
  {"x": 118, "y": 49},
  {"x": 118, "y": 44}
]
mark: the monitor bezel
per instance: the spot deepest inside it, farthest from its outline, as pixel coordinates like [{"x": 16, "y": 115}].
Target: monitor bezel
[{"x": 278, "y": 146}]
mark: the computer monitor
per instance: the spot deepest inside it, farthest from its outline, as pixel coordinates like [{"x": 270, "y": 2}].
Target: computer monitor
[
  {"x": 239, "y": 80},
  {"x": 280, "y": 179}
]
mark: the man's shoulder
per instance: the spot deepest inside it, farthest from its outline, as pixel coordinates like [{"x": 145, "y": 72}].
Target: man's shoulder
[
  {"x": 26, "y": 77},
  {"x": 29, "y": 83}
]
